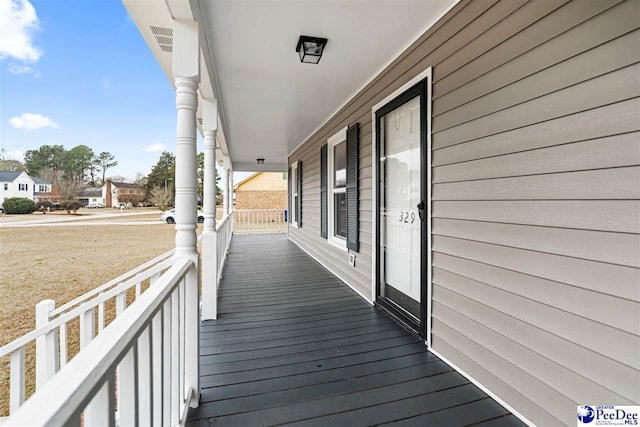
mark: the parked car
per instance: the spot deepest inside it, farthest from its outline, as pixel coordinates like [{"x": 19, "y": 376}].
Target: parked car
[
  {"x": 170, "y": 216},
  {"x": 94, "y": 205}
]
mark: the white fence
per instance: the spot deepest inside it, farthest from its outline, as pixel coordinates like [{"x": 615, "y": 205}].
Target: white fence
[
  {"x": 150, "y": 351},
  {"x": 254, "y": 221},
  {"x": 141, "y": 370},
  {"x": 54, "y": 326}
]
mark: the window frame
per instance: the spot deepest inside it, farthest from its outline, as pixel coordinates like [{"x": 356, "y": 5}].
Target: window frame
[
  {"x": 337, "y": 241},
  {"x": 294, "y": 203},
  {"x": 23, "y": 187}
]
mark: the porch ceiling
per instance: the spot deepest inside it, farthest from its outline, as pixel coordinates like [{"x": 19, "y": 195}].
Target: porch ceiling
[{"x": 270, "y": 102}]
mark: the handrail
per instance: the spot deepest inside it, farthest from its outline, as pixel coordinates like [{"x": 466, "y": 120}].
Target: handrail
[
  {"x": 53, "y": 324},
  {"x": 112, "y": 282},
  {"x": 62, "y": 400},
  {"x": 51, "y": 334}
]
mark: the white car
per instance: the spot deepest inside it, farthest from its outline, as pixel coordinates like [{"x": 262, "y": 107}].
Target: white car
[
  {"x": 170, "y": 216},
  {"x": 94, "y": 205}
]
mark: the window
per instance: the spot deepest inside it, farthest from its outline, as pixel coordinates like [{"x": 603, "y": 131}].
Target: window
[
  {"x": 295, "y": 194},
  {"x": 338, "y": 189},
  {"x": 42, "y": 188},
  {"x": 6, "y": 186},
  {"x": 23, "y": 187}
]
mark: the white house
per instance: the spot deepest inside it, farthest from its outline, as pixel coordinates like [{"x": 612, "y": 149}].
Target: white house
[{"x": 20, "y": 184}]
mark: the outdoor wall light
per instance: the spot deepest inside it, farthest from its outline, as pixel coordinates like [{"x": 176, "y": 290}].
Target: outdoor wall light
[
  {"x": 260, "y": 161},
  {"x": 310, "y": 49}
]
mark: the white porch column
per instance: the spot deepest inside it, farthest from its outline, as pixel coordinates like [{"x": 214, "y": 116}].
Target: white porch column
[
  {"x": 209, "y": 236},
  {"x": 225, "y": 188},
  {"x": 186, "y": 71},
  {"x": 231, "y": 208}
]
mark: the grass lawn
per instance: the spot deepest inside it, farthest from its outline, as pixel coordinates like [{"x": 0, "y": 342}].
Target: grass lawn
[{"x": 61, "y": 263}]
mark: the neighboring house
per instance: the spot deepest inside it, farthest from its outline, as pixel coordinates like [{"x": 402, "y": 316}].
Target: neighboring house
[
  {"x": 42, "y": 190},
  {"x": 90, "y": 195},
  {"x": 262, "y": 190},
  {"x": 116, "y": 192},
  {"x": 20, "y": 184}
]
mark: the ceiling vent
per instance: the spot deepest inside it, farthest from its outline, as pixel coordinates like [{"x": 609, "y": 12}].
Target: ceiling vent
[{"x": 164, "y": 37}]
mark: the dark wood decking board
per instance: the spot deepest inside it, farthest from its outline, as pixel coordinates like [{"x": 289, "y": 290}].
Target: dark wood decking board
[{"x": 293, "y": 345}]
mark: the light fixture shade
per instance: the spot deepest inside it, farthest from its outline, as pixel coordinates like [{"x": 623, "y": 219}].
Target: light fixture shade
[
  {"x": 260, "y": 161},
  {"x": 310, "y": 49}
]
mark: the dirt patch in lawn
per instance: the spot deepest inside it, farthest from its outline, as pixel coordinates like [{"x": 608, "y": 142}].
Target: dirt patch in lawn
[{"x": 61, "y": 263}]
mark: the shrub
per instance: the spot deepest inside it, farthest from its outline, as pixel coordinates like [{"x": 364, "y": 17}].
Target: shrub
[
  {"x": 43, "y": 206},
  {"x": 72, "y": 206},
  {"x": 19, "y": 205}
]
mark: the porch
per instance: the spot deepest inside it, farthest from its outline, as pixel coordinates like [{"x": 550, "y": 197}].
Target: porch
[{"x": 294, "y": 344}]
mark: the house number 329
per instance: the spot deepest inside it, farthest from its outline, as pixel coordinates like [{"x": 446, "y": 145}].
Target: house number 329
[{"x": 407, "y": 217}]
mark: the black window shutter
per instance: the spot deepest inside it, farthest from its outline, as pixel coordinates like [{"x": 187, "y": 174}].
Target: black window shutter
[
  {"x": 299, "y": 207},
  {"x": 290, "y": 196},
  {"x": 353, "y": 137},
  {"x": 323, "y": 191}
]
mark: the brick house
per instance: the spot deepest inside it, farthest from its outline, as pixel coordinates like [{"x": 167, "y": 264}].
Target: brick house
[{"x": 262, "y": 190}]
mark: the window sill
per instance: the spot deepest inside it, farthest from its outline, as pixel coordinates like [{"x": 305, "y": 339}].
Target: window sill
[{"x": 338, "y": 243}]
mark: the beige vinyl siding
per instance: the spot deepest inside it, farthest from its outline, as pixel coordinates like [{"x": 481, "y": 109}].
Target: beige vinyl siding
[{"x": 535, "y": 198}]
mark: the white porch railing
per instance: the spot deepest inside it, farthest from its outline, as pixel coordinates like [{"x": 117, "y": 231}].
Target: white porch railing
[
  {"x": 224, "y": 230},
  {"x": 55, "y": 326},
  {"x": 149, "y": 353},
  {"x": 254, "y": 221}
]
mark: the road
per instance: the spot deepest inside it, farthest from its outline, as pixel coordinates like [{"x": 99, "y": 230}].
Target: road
[{"x": 84, "y": 217}]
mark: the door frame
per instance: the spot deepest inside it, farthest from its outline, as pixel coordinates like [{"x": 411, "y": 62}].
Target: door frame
[{"x": 426, "y": 246}]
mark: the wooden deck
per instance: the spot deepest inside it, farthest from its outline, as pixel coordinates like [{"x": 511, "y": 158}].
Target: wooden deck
[{"x": 295, "y": 345}]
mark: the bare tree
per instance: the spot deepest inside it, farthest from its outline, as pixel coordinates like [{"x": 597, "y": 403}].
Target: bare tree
[
  {"x": 161, "y": 197},
  {"x": 67, "y": 188}
]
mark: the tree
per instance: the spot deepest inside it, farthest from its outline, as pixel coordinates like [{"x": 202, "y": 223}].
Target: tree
[
  {"x": 46, "y": 156},
  {"x": 140, "y": 178},
  {"x": 61, "y": 186},
  {"x": 163, "y": 173},
  {"x": 161, "y": 197},
  {"x": 77, "y": 163},
  {"x": 106, "y": 161},
  {"x": 12, "y": 166}
]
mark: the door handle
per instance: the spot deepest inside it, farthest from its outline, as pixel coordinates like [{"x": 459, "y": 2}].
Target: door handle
[{"x": 421, "y": 210}]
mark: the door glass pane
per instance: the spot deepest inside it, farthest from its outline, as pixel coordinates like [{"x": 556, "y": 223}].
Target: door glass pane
[{"x": 400, "y": 224}]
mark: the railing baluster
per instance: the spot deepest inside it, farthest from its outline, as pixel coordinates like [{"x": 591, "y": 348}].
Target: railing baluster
[
  {"x": 157, "y": 370},
  {"x": 46, "y": 345},
  {"x": 16, "y": 382},
  {"x": 63, "y": 345},
  {"x": 127, "y": 382},
  {"x": 121, "y": 302},
  {"x": 100, "y": 316},
  {"x": 175, "y": 354},
  {"x": 181, "y": 335},
  {"x": 145, "y": 388},
  {"x": 87, "y": 327},
  {"x": 166, "y": 365},
  {"x": 100, "y": 411}
]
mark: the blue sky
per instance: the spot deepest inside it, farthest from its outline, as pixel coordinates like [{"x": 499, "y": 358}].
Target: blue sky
[{"x": 78, "y": 72}]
